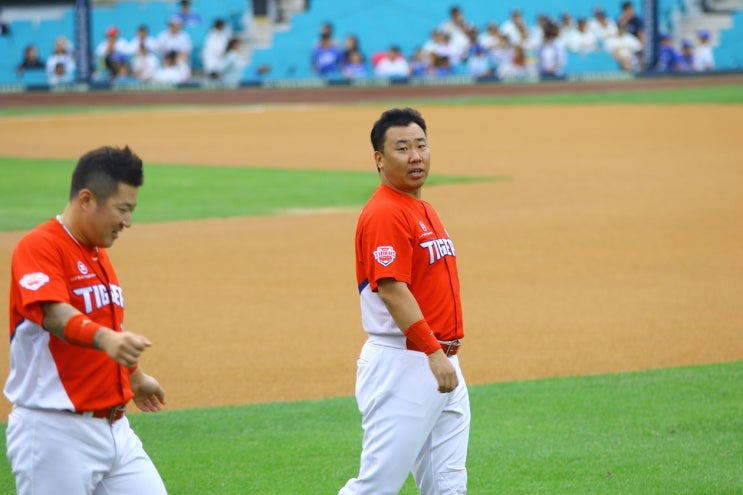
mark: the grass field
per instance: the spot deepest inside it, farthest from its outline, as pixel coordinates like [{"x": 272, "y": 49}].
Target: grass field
[{"x": 671, "y": 431}]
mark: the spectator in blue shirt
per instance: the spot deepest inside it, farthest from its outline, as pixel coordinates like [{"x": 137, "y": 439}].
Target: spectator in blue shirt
[
  {"x": 669, "y": 60},
  {"x": 188, "y": 16},
  {"x": 326, "y": 57}
]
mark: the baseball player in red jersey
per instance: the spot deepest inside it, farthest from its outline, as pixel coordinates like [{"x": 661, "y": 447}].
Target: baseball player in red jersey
[
  {"x": 73, "y": 368},
  {"x": 409, "y": 386}
]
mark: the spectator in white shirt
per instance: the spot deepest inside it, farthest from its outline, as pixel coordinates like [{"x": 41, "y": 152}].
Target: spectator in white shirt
[
  {"x": 511, "y": 27},
  {"x": 232, "y": 65},
  {"x": 489, "y": 38},
  {"x": 142, "y": 36},
  {"x": 215, "y": 46},
  {"x": 624, "y": 47},
  {"x": 704, "y": 58},
  {"x": 175, "y": 69},
  {"x": 502, "y": 52},
  {"x": 457, "y": 28},
  {"x": 144, "y": 64},
  {"x": 582, "y": 40},
  {"x": 602, "y": 25},
  {"x": 478, "y": 63},
  {"x": 393, "y": 64},
  {"x": 174, "y": 39},
  {"x": 551, "y": 55},
  {"x": 61, "y": 66}
]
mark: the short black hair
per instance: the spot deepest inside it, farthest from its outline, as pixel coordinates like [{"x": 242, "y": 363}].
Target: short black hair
[
  {"x": 103, "y": 169},
  {"x": 394, "y": 117}
]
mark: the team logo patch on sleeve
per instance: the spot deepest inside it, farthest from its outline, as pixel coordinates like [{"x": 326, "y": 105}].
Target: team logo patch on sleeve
[
  {"x": 34, "y": 281},
  {"x": 384, "y": 255}
]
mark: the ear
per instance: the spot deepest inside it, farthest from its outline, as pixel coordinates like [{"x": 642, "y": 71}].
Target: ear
[
  {"x": 86, "y": 200},
  {"x": 378, "y": 160}
]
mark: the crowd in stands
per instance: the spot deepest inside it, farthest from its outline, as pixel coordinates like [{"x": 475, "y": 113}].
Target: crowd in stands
[
  {"x": 165, "y": 57},
  {"x": 511, "y": 48}
]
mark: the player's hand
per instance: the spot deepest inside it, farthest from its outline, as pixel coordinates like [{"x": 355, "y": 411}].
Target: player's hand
[
  {"x": 123, "y": 347},
  {"x": 444, "y": 371},
  {"x": 149, "y": 396}
]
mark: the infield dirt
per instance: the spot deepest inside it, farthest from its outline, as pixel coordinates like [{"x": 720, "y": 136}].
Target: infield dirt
[{"x": 614, "y": 245}]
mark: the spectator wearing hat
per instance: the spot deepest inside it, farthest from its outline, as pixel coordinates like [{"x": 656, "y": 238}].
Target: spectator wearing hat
[
  {"x": 669, "y": 60},
  {"x": 112, "y": 52},
  {"x": 704, "y": 58},
  {"x": 686, "y": 62},
  {"x": 174, "y": 39}
]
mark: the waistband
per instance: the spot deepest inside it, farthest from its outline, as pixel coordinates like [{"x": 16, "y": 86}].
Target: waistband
[
  {"x": 450, "y": 347},
  {"x": 111, "y": 414}
]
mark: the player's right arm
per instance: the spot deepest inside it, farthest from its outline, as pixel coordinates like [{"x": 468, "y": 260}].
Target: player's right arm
[{"x": 123, "y": 347}]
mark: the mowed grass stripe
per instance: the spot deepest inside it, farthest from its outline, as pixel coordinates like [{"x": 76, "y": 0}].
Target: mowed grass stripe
[{"x": 32, "y": 190}]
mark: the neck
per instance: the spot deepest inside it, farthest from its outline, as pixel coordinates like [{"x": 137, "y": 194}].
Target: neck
[{"x": 66, "y": 220}]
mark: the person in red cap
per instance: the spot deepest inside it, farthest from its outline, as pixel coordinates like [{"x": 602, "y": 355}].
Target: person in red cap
[{"x": 111, "y": 53}]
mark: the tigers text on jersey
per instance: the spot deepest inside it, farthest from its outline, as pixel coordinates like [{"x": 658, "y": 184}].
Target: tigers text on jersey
[
  {"x": 401, "y": 237},
  {"x": 49, "y": 265}
]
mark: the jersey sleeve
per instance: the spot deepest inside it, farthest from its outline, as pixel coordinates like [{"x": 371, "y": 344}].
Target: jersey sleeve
[
  {"x": 38, "y": 273},
  {"x": 386, "y": 247}
]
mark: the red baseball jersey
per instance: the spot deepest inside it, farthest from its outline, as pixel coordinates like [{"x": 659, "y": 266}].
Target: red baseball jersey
[
  {"x": 49, "y": 265},
  {"x": 401, "y": 237}
]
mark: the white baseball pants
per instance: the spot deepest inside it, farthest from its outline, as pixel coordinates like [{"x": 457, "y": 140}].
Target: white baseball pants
[
  {"x": 70, "y": 454},
  {"x": 409, "y": 426}
]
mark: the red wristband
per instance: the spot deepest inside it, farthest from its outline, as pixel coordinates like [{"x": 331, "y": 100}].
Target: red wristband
[
  {"x": 80, "y": 330},
  {"x": 421, "y": 335}
]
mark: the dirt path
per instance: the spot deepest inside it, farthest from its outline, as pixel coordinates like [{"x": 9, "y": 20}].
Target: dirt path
[{"x": 614, "y": 246}]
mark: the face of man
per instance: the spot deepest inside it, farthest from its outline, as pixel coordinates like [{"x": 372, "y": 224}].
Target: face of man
[
  {"x": 405, "y": 159},
  {"x": 104, "y": 222}
]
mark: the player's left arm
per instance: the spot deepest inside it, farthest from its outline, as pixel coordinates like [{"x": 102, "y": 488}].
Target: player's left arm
[
  {"x": 149, "y": 396},
  {"x": 405, "y": 310}
]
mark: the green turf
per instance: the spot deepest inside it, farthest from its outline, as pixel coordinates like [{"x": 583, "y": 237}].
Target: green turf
[
  {"x": 713, "y": 94},
  {"x": 692, "y": 95},
  {"x": 33, "y": 190},
  {"x": 674, "y": 431}
]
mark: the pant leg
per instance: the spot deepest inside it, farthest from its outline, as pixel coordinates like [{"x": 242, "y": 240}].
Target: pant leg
[
  {"x": 133, "y": 471},
  {"x": 399, "y": 402},
  {"x": 440, "y": 468},
  {"x": 57, "y": 452}
]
